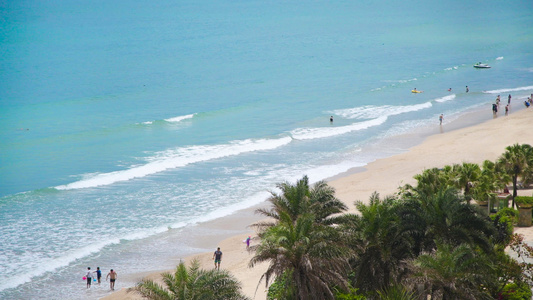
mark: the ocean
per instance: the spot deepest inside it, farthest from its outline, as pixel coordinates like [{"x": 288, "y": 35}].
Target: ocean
[{"x": 125, "y": 124}]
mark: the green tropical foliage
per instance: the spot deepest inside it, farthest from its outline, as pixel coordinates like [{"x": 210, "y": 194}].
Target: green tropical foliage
[
  {"x": 379, "y": 244},
  {"x": 455, "y": 272},
  {"x": 192, "y": 283},
  {"x": 396, "y": 292},
  {"x": 517, "y": 161},
  {"x": 302, "y": 241},
  {"x": 466, "y": 175},
  {"x": 447, "y": 217},
  {"x": 295, "y": 200},
  {"x": 515, "y": 291},
  {"x": 428, "y": 237}
]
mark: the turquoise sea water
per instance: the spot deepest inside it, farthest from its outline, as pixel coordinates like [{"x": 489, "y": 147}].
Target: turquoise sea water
[{"x": 120, "y": 120}]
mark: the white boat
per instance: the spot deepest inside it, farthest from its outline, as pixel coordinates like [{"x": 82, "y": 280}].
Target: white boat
[{"x": 481, "y": 66}]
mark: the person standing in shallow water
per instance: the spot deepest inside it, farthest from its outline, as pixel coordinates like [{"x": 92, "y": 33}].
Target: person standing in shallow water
[
  {"x": 89, "y": 277},
  {"x": 331, "y": 119},
  {"x": 98, "y": 274},
  {"x": 441, "y": 117},
  {"x": 217, "y": 256},
  {"x": 509, "y": 99},
  {"x": 467, "y": 89},
  {"x": 112, "y": 275}
]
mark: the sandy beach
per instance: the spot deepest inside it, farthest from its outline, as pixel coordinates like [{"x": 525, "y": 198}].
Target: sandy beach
[{"x": 471, "y": 144}]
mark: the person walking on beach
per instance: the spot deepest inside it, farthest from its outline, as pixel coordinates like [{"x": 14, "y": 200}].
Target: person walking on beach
[
  {"x": 112, "y": 275},
  {"x": 98, "y": 274},
  {"x": 248, "y": 242},
  {"x": 217, "y": 256},
  {"x": 467, "y": 89},
  {"x": 440, "y": 118},
  {"x": 89, "y": 277}
]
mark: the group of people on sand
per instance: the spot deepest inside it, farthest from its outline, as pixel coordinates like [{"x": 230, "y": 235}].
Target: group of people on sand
[
  {"x": 112, "y": 276},
  {"x": 496, "y": 105}
]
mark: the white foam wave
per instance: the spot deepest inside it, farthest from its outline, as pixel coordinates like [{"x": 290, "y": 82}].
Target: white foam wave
[
  {"x": 451, "y": 68},
  {"x": 180, "y": 118},
  {"x": 73, "y": 255},
  {"x": 372, "y": 111},
  {"x": 523, "y": 88},
  {"x": 176, "y": 158},
  {"x": 400, "y": 80},
  {"x": 445, "y": 98},
  {"x": 53, "y": 264},
  {"x": 147, "y": 122},
  {"x": 499, "y": 58},
  {"x": 317, "y": 133}
]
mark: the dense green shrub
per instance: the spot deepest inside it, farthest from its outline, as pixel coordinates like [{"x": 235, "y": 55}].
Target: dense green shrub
[
  {"x": 524, "y": 201},
  {"x": 280, "y": 289},
  {"x": 513, "y": 291}
]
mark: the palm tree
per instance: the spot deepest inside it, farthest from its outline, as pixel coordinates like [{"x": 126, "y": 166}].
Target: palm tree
[
  {"x": 300, "y": 198},
  {"x": 444, "y": 216},
  {"x": 466, "y": 176},
  {"x": 432, "y": 180},
  {"x": 292, "y": 201},
  {"x": 324, "y": 205},
  {"x": 301, "y": 240},
  {"x": 312, "y": 255},
  {"x": 517, "y": 161},
  {"x": 455, "y": 272},
  {"x": 379, "y": 244},
  {"x": 192, "y": 284},
  {"x": 497, "y": 173}
]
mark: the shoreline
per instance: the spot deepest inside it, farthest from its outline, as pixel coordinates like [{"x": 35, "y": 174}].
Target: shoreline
[{"x": 460, "y": 142}]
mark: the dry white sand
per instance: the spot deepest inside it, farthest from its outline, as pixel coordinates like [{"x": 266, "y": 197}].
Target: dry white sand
[{"x": 472, "y": 144}]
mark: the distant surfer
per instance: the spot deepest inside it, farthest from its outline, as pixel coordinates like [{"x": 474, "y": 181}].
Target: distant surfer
[
  {"x": 331, "y": 119},
  {"x": 450, "y": 89}
]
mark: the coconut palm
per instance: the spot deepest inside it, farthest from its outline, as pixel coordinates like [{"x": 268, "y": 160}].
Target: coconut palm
[
  {"x": 312, "y": 255},
  {"x": 192, "y": 283},
  {"x": 517, "y": 161},
  {"x": 455, "y": 272},
  {"x": 379, "y": 244}
]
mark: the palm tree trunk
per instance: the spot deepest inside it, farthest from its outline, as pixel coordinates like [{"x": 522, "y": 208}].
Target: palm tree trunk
[{"x": 515, "y": 179}]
